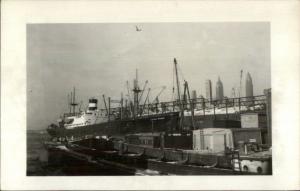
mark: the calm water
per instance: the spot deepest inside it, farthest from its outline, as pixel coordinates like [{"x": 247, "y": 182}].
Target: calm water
[{"x": 37, "y": 156}]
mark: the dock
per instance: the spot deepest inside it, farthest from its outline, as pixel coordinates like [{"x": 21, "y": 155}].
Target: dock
[{"x": 130, "y": 159}]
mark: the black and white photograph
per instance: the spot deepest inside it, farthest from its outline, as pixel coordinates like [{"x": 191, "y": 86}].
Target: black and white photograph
[
  {"x": 149, "y": 99},
  {"x": 150, "y": 95}
]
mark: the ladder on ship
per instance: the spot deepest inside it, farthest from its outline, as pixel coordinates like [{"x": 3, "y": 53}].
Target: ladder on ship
[{"x": 236, "y": 161}]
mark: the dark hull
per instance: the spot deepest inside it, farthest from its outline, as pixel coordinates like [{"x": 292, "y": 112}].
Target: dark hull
[{"x": 155, "y": 123}]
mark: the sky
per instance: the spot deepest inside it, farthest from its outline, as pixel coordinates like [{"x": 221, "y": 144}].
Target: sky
[{"x": 99, "y": 58}]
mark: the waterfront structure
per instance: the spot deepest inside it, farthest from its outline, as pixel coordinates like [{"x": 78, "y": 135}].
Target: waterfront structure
[
  {"x": 153, "y": 134},
  {"x": 208, "y": 90},
  {"x": 219, "y": 90},
  {"x": 194, "y": 95},
  {"x": 267, "y": 93},
  {"x": 249, "y": 89},
  {"x": 249, "y": 86}
]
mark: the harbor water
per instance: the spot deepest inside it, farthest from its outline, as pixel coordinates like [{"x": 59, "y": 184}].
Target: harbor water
[{"x": 39, "y": 165}]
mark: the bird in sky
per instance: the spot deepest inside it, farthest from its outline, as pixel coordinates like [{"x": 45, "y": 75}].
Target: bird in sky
[{"x": 137, "y": 29}]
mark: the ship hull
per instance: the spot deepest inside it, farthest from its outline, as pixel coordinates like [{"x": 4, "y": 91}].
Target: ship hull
[
  {"x": 168, "y": 122},
  {"x": 155, "y": 123}
]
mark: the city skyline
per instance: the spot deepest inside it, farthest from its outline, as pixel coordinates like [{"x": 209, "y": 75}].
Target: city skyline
[
  {"x": 208, "y": 89},
  {"x": 247, "y": 91},
  {"x": 219, "y": 90}
]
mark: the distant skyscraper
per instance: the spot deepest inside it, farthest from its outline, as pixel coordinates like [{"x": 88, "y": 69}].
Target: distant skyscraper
[
  {"x": 219, "y": 90},
  {"x": 249, "y": 86},
  {"x": 194, "y": 95},
  {"x": 208, "y": 90}
]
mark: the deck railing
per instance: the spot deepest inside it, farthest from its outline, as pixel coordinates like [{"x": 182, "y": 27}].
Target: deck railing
[{"x": 202, "y": 105}]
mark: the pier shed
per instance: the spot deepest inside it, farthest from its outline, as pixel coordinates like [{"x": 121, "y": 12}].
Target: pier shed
[
  {"x": 151, "y": 140},
  {"x": 217, "y": 139},
  {"x": 253, "y": 120}
]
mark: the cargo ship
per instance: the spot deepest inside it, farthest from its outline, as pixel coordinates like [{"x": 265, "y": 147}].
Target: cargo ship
[
  {"x": 211, "y": 135},
  {"x": 133, "y": 116}
]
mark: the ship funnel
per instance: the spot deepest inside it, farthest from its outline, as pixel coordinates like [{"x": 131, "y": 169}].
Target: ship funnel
[{"x": 93, "y": 104}]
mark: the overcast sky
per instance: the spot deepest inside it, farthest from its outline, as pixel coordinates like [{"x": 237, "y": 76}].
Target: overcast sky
[{"x": 99, "y": 58}]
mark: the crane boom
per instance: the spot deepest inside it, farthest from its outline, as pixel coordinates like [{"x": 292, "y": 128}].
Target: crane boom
[
  {"x": 156, "y": 97},
  {"x": 178, "y": 92},
  {"x": 147, "y": 97},
  {"x": 186, "y": 89},
  {"x": 105, "y": 104},
  {"x": 128, "y": 90},
  {"x": 146, "y": 82}
]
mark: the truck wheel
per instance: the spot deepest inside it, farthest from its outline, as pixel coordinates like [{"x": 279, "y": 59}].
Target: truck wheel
[
  {"x": 245, "y": 168},
  {"x": 259, "y": 170}
]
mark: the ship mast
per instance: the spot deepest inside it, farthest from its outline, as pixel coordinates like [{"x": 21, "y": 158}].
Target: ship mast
[
  {"x": 73, "y": 103},
  {"x": 136, "y": 90},
  {"x": 178, "y": 92},
  {"x": 69, "y": 102},
  {"x": 187, "y": 92}
]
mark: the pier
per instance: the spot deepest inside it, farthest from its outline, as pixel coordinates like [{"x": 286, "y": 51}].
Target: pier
[{"x": 130, "y": 158}]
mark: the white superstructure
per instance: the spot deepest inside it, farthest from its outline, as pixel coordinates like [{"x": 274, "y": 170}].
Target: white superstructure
[{"x": 89, "y": 117}]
